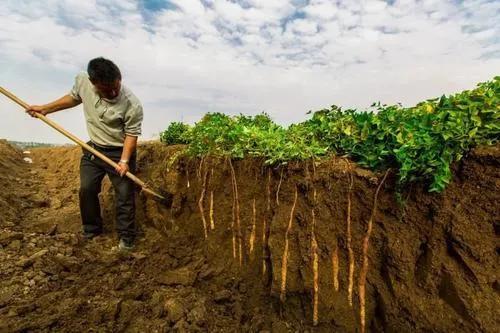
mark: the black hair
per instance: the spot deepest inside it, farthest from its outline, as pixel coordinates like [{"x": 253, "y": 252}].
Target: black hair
[{"x": 103, "y": 71}]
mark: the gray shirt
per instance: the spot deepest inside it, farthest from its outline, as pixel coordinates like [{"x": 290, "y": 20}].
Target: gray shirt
[{"x": 108, "y": 121}]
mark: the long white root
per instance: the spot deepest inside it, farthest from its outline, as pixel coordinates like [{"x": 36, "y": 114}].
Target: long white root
[
  {"x": 364, "y": 267},
  {"x": 284, "y": 263}
]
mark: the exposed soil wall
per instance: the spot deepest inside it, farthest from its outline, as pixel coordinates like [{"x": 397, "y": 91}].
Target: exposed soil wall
[{"x": 432, "y": 261}]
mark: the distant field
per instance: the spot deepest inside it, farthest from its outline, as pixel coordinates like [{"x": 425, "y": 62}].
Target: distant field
[{"x": 24, "y": 145}]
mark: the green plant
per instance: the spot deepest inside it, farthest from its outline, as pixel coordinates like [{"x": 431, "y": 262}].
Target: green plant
[
  {"x": 176, "y": 133},
  {"x": 420, "y": 142}
]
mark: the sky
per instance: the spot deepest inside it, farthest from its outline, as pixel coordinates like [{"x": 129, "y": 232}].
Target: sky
[{"x": 184, "y": 58}]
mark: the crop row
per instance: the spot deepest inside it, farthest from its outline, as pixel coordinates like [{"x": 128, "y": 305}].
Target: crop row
[{"x": 420, "y": 142}]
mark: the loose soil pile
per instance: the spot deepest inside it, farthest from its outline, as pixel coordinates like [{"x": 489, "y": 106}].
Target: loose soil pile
[
  {"x": 11, "y": 181},
  {"x": 271, "y": 252}
]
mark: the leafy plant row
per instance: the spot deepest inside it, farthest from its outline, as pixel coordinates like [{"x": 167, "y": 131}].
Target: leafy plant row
[{"x": 421, "y": 141}]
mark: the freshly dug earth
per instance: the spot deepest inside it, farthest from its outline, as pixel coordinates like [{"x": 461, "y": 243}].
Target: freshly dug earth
[
  {"x": 433, "y": 260},
  {"x": 52, "y": 280},
  {"x": 12, "y": 181}
]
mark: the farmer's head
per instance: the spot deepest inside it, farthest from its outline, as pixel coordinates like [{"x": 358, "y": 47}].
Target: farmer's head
[{"x": 105, "y": 76}]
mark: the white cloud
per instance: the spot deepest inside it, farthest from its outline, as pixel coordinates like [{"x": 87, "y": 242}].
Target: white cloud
[
  {"x": 321, "y": 10},
  {"x": 302, "y": 27},
  {"x": 283, "y": 57}
]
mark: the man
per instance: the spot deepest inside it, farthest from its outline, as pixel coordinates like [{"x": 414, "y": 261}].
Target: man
[{"x": 114, "y": 118}]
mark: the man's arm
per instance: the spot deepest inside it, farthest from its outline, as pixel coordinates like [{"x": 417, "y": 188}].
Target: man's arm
[
  {"x": 129, "y": 146},
  {"x": 65, "y": 102}
]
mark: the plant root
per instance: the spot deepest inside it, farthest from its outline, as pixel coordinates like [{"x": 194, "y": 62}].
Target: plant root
[
  {"x": 284, "y": 263},
  {"x": 364, "y": 267}
]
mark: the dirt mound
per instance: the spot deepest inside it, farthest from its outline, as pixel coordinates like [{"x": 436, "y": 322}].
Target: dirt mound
[
  {"x": 12, "y": 183},
  {"x": 257, "y": 261},
  {"x": 52, "y": 280}
]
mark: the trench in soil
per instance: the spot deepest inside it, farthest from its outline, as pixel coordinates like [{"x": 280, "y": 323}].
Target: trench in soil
[{"x": 247, "y": 247}]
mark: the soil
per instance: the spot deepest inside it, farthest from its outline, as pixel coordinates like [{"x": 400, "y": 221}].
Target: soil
[{"x": 433, "y": 259}]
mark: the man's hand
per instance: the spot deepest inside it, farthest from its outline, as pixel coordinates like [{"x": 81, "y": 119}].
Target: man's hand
[
  {"x": 65, "y": 102},
  {"x": 122, "y": 168},
  {"x": 129, "y": 146},
  {"x": 32, "y": 110}
]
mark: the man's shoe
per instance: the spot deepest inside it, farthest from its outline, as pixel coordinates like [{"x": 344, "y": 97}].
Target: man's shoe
[
  {"x": 90, "y": 235},
  {"x": 126, "y": 245}
]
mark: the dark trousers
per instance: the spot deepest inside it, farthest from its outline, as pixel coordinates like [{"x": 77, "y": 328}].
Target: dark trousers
[{"x": 92, "y": 171}]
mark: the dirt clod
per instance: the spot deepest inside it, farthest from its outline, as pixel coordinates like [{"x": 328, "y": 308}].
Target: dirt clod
[
  {"x": 174, "y": 309},
  {"x": 182, "y": 276},
  {"x": 222, "y": 296}
]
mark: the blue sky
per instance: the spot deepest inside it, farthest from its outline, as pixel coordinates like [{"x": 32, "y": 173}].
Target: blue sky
[
  {"x": 184, "y": 58},
  {"x": 156, "y": 5}
]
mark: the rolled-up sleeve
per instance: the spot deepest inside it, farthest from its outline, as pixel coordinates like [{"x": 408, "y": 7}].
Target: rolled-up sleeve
[
  {"x": 75, "y": 91},
  {"x": 133, "y": 120}
]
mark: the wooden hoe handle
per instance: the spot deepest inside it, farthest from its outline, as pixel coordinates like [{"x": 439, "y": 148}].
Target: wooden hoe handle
[{"x": 80, "y": 142}]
